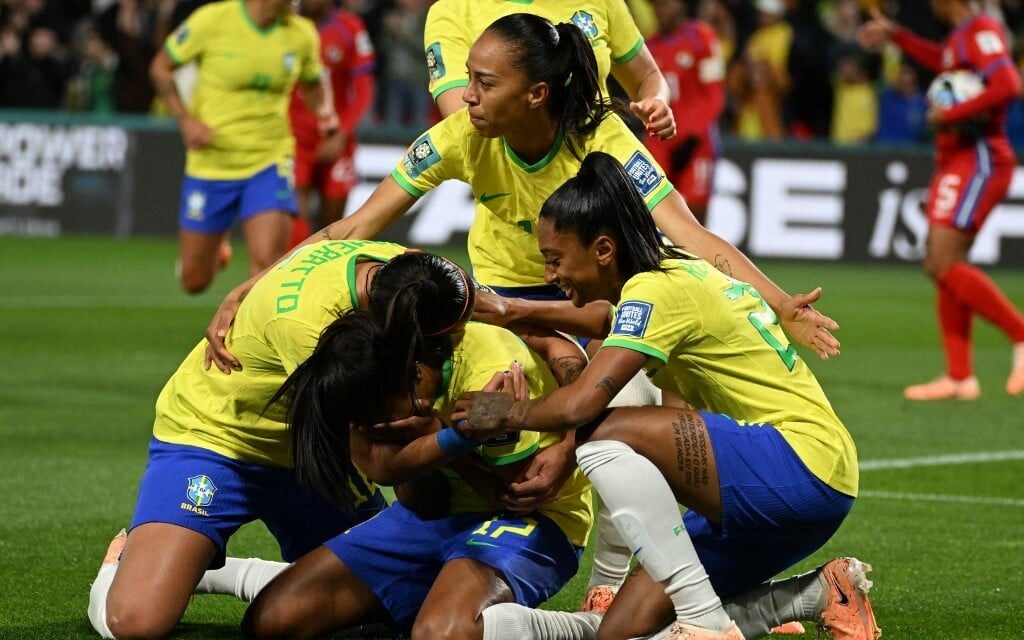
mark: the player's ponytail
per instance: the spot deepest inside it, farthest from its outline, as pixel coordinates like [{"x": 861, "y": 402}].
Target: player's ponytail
[{"x": 601, "y": 199}]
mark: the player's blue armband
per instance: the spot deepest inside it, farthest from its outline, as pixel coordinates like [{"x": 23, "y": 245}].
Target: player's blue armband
[{"x": 454, "y": 443}]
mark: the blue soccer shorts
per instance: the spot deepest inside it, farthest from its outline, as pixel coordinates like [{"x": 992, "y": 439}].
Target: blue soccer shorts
[
  {"x": 399, "y": 555},
  {"x": 775, "y": 512},
  {"x": 212, "y": 206},
  {"x": 214, "y": 495}
]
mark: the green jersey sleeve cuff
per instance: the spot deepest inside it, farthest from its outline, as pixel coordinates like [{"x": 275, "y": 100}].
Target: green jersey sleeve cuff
[
  {"x": 645, "y": 349},
  {"x": 454, "y": 84},
  {"x": 498, "y": 461},
  {"x": 629, "y": 55},
  {"x": 175, "y": 58},
  {"x": 659, "y": 195},
  {"x": 403, "y": 182}
]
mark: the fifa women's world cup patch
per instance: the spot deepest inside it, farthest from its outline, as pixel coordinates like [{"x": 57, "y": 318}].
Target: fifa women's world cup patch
[
  {"x": 422, "y": 155},
  {"x": 435, "y": 62},
  {"x": 631, "y": 319},
  {"x": 643, "y": 173}
]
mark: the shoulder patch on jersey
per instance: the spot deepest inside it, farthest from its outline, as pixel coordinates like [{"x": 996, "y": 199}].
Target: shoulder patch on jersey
[
  {"x": 182, "y": 35},
  {"x": 631, "y": 319},
  {"x": 422, "y": 155},
  {"x": 288, "y": 61},
  {"x": 989, "y": 42},
  {"x": 435, "y": 61},
  {"x": 643, "y": 172},
  {"x": 364, "y": 46},
  {"x": 586, "y": 23}
]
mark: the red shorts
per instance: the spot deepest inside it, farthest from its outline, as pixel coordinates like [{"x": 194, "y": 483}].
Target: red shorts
[
  {"x": 332, "y": 179},
  {"x": 966, "y": 188},
  {"x": 689, "y": 164}
]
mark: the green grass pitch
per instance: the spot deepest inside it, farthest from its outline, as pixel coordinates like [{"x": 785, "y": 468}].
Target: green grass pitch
[{"x": 91, "y": 328}]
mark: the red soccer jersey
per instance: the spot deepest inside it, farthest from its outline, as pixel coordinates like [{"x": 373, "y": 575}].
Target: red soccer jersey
[
  {"x": 691, "y": 61},
  {"x": 348, "y": 58},
  {"x": 979, "y": 45}
]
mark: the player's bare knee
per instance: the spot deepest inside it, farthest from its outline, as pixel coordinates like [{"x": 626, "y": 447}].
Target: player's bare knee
[
  {"x": 447, "y": 628},
  {"x": 138, "y": 621},
  {"x": 195, "y": 280}
]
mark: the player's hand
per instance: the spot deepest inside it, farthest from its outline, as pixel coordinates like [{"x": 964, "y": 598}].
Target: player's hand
[
  {"x": 874, "y": 33},
  {"x": 331, "y": 147},
  {"x": 216, "y": 352},
  {"x": 542, "y": 478},
  {"x": 195, "y": 134},
  {"x": 656, "y": 116},
  {"x": 492, "y": 309},
  {"x": 327, "y": 122},
  {"x": 809, "y": 327},
  {"x": 492, "y": 412},
  {"x": 936, "y": 116}
]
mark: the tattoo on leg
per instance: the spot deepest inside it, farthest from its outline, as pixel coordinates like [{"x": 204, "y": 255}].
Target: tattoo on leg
[
  {"x": 609, "y": 387},
  {"x": 722, "y": 264},
  {"x": 566, "y": 368},
  {"x": 691, "y": 449}
]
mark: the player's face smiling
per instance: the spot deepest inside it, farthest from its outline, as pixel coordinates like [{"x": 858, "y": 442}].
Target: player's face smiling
[
  {"x": 572, "y": 267},
  {"x": 497, "y": 94}
]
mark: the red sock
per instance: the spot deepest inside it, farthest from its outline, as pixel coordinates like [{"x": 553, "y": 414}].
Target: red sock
[
  {"x": 955, "y": 324},
  {"x": 300, "y": 231},
  {"x": 975, "y": 290}
]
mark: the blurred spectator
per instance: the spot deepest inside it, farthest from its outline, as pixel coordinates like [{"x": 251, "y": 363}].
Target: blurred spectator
[
  {"x": 1015, "y": 118},
  {"x": 92, "y": 87},
  {"x": 855, "y": 115},
  {"x": 135, "y": 29},
  {"x": 405, "y": 73},
  {"x": 903, "y": 109},
  {"x": 34, "y": 77},
  {"x": 807, "y": 110},
  {"x": 718, "y": 16},
  {"x": 761, "y": 79}
]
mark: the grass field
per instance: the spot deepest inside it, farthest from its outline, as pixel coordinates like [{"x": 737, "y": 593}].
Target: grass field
[{"x": 90, "y": 329}]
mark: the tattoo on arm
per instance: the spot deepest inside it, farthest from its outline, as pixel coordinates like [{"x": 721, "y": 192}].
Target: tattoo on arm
[
  {"x": 327, "y": 233},
  {"x": 692, "y": 450},
  {"x": 722, "y": 264},
  {"x": 609, "y": 387},
  {"x": 566, "y": 369}
]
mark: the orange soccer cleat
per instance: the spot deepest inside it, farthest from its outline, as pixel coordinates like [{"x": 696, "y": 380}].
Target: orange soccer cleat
[
  {"x": 599, "y": 599},
  {"x": 945, "y": 388},
  {"x": 847, "y": 614},
  {"x": 115, "y": 547},
  {"x": 789, "y": 629},
  {"x": 681, "y": 631}
]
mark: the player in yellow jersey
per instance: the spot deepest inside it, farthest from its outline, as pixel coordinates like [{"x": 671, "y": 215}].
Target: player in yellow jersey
[
  {"x": 429, "y": 575},
  {"x": 766, "y": 468},
  {"x": 239, "y": 167},
  {"x": 221, "y": 454},
  {"x": 453, "y": 25}
]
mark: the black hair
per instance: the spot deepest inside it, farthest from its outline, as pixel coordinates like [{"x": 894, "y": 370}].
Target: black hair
[
  {"x": 561, "y": 56},
  {"x": 601, "y": 199},
  {"x": 433, "y": 291}
]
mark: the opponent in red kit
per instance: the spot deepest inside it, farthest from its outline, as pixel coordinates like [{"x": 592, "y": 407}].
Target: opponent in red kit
[
  {"x": 688, "y": 54},
  {"x": 974, "y": 164},
  {"x": 325, "y": 164}
]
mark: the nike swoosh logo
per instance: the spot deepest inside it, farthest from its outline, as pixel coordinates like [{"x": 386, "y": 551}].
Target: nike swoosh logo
[
  {"x": 487, "y": 197},
  {"x": 843, "y": 600},
  {"x": 473, "y": 542}
]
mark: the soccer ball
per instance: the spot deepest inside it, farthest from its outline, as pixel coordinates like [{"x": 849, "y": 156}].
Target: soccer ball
[{"x": 953, "y": 87}]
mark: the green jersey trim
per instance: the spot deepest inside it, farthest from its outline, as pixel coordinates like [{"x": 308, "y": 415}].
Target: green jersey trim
[
  {"x": 647, "y": 350},
  {"x": 170, "y": 52},
  {"x": 499, "y": 461},
  {"x": 660, "y": 195},
  {"x": 629, "y": 55},
  {"x": 351, "y": 275},
  {"x": 520, "y": 1},
  {"x": 263, "y": 31},
  {"x": 540, "y": 164},
  {"x": 409, "y": 187},
  {"x": 454, "y": 84}
]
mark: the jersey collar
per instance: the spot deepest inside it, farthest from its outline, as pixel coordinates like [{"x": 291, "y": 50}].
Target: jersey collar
[{"x": 540, "y": 164}]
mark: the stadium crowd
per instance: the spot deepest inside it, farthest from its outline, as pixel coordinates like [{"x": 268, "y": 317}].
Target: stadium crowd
[{"x": 794, "y": 68}]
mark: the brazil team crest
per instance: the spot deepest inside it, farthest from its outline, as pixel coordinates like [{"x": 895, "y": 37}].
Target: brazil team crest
[
  {"x": 586, "y": 23},
  {"x": 200, "y": 490}
]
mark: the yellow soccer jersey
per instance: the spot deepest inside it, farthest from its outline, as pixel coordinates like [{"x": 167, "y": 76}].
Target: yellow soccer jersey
[
  {"x": 276, "y": 329},
  {"x": 454, "y": 25},
  {"x": 715, "y": 342},
  {"x": 246, "y": 76},
  {"x": 478, "y": 352},
  {"x": 503, "y": 244}
]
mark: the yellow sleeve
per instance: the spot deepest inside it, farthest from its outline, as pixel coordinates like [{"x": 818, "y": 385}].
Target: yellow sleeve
[
  {"x": 187, "y": 42},
  {"x": 647, "y": 176},
  {"x": 293, "y": 341},
  {"x": 312, "y": 68},
  {"x": 434, "y": 157},
  {"x": 624, "y": 37},
  {"x": 446, "y": 45},
  {"x": 654, "y": 317}
]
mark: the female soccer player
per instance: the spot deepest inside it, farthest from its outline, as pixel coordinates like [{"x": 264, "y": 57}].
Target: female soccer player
[
  {"x": 453, "y": 26},
  {"x": 239, "y": 145},
  {"x": 431, "y": 575},
  {"x": 765, "y": 467},
  {"x": 220, "y": 454}
]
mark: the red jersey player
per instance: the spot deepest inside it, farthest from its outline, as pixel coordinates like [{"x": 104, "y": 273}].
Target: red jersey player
[
  {"x": 326, "y": 163},
  {"x": 688, "y": 54},
  {"x": 974, "y": 164}
]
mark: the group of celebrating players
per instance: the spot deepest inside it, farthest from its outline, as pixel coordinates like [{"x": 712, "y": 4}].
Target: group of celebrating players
[{"x": 583, "y": 351}]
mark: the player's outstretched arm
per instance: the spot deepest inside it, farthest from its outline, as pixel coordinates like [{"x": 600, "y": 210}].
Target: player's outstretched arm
[{"x": 644, "y": 83}]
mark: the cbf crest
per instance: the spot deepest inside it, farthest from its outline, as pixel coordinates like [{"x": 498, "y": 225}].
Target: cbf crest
[
  {"x": 586, "y": 23},
  {"x": 200, "y": 490}
]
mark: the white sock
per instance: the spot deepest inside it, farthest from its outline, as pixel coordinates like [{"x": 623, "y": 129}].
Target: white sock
[
  {"x": 243, "y": 578},
  {"x": 510, "y": 620},
  {"x": 646, "y": 514},
  {"x": 764, "y": 607},
  {"x": 1018, "y": 356},
  {"x": 638, "y": 392},
  {"x": 611, "y": 555},
  {"x": 98, "y": 599}
]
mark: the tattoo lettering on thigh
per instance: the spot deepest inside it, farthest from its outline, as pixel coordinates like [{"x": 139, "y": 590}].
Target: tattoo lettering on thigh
[
  {"x": 722, "y": 264},
  {"x": 566, "y": 368},
  {"x": 691, "y": 449},
  {"x": 609, "y": 387}
]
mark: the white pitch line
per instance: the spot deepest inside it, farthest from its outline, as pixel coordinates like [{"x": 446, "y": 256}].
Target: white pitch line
[
  {"x": 938, "y": 461},
  {"x": 936, "y": 497}
]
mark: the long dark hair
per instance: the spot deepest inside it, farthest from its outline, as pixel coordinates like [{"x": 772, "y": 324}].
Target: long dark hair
[
  {"x": 601, "y": 198},
  {"x": 561, "y": 56}
]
